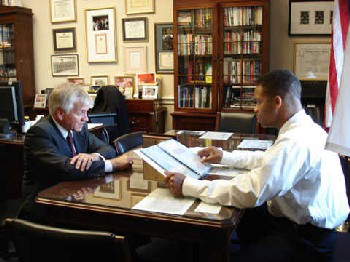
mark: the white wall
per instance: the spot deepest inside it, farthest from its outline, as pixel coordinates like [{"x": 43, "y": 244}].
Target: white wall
[{"x": 281, "y": 44}]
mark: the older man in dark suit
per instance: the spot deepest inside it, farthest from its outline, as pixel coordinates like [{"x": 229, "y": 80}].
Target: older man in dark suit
[{"x": 60, "y": 148}]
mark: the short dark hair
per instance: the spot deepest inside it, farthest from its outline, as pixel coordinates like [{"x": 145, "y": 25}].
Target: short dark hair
[{"x": 281, "y": 83}]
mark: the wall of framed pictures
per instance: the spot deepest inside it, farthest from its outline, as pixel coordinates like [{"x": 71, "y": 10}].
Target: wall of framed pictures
[{"x": 156, "y": 12}]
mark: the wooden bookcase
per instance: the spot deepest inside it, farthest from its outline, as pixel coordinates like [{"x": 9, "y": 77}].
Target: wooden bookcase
[
  {"x": 220, "y": 51},
  {"x": 16, "y": 50}
]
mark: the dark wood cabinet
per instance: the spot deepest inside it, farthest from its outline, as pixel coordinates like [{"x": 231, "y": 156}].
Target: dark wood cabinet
[
  {"x": 146, "y": 115},
  {"x": 16, "y": 49},
  {"x": 220, "y": 51}
]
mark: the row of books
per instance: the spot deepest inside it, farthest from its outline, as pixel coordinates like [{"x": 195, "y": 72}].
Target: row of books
[
  {"x": 246, "y": 15},
  {"x": 190, "y": 44},
  {"x": 238, "y": 71},
  {"x": 7, "y": 58},
  {"x": 239, "y": 97},
  {"x": 195, "y": 96},
  {"x": 6, "y": 36},
  {"x": 198, "y": 17}
]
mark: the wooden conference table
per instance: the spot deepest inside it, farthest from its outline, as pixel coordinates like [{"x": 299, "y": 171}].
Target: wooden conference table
[{"x": 106, "y": 205}]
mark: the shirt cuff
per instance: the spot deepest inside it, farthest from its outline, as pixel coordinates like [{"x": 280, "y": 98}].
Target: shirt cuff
[
  {"x": 193, "y": 187},
  {"x": 108, "y": 166}
]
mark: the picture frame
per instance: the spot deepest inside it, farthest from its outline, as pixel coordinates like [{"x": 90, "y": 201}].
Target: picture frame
[
  {"x": 64, "y": 39},
  {"x": 139, "y": 6},
  {"x": 111, "y": 189},
  {"x": 310, "y": 17},
  {"x": 311, "y": 60},
  {"x": 76, "y": 80},
  {"x": 164, "y": 48},
  {"x": 150, "y": 91},
  {"x": 135, "y": 29},
  {"x": 40, "y": 101},
  {"x": 135, "y": 59},
  {"x": 62, "y": 11},
  {"x": 146, "y": 78},
  {"x": 125, "y": 84},
  {"x": 100, "y": 33},
  {"x": 65, "y": 65},
  {"x": 99, "y": 80}
]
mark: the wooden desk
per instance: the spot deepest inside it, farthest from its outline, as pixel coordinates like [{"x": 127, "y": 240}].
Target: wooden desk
[{"x": 98, "y": 211}]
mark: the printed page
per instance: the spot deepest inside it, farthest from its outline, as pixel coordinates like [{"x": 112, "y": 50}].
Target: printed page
[
  {"x": 185, "y": 156},
  {"x": 162, "y": 201},
  {"x": 216, "y": 135},
  {"x": 255, "y": 144},
  {"x": 161, "y": 161}
]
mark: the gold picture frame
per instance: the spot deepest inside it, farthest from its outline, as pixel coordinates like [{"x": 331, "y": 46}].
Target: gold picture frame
[
  {"x": 62, "y": 11},
  {"x": 139, "y": 6}
]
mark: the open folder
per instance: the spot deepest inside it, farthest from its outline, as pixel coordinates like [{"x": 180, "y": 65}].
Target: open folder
[{"x": 172, "y": 156}]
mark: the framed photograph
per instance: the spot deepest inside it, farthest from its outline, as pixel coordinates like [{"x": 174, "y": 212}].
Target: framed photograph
[
  {"x": 64, "y": 39},
  {"x": 164, "y": 48},
  {"x": 76, "y": 80},
  {"x": 99, "y": 80},
  {"x": 100, "y": 32},
  {"x": 123, "y": 83},
  {"x": 310, "y": 17},
  {"x": 135, "y": 29},
  {"x": 311, "y": 60},
  {"x": 135, "y": 59},
  {"x": 128, "y": 92},
  {"x": 109, "y": 190},
  {"x": 149, "y": 92},
  {"x": 139, "y": 6},
  {"x": 148, "y": 78},
  {"x": 65, "y": 65},
  {"x": 40, "y": 101},
  {"x": 62, "y": 11}
]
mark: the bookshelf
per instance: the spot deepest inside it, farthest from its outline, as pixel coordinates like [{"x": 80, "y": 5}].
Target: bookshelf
[
  {"x": 220, "y": 51},
  {"x": 16, "y": 50}
]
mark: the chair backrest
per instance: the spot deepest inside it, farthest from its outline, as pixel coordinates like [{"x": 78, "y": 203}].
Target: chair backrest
[
  {"x": 236, "y": 122},
  {"x": 127, "y": 142},
  {"x": 35, "y": 242},
  {"x": 110, "y": 100}
]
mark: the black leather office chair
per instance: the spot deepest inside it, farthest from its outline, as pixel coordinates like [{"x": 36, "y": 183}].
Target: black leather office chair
[
  {"x": 236, "y": 122},
  {"x": 127, "y": 142},
  {"x": 35, "y": 242}
]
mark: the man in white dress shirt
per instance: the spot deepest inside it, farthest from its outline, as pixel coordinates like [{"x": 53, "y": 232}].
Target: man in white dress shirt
[{"x": 301, "y": 182}]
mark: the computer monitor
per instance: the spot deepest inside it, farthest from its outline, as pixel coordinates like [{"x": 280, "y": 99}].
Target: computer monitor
[
  {"x": 11, "y": 107},
  {"x": 107, "y": 119}
]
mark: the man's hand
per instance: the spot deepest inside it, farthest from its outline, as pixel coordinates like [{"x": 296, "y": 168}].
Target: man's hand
[
  {"x": 211, "y": 155},
  {"x": 122, "y": 162},
  {"x": 174, "y": 182},
  {"x": 83, "y": 161}
]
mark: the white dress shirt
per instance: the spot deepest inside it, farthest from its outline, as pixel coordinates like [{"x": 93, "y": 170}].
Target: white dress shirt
[{"x": 296, "y": 175}]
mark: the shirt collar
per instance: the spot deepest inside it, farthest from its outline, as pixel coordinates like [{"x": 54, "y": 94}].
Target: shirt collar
[
  {"x": 293, "y": 119},
  {"x": 63, "y": 131}
]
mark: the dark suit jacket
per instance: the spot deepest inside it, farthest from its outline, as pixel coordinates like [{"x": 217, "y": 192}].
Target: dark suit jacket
[{"x": 46, "y": 161}]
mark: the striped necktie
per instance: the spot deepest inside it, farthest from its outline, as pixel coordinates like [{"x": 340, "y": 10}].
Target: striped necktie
[{"x": 71, "y": 144}]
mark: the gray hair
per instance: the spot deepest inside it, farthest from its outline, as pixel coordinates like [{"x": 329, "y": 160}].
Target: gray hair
[{"x": 65, "y": 95}]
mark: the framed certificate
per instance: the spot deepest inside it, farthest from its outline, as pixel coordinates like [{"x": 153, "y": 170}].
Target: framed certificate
[
  {"x": 139, "y": 6},
  {"x": 164, "y": 48},
  {"x": 64, "y": 40},
  {"x": 135, "y": 29},
  {"x": 62, "y": 11}
]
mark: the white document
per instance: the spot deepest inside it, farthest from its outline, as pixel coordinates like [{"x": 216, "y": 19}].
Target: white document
[
  {"x": 255, "y": 144},
  {"x": 227, "y": 171},
  {"x": 93, "y": 125},
  {"x": 162, "y": 201},
  {"x": 216, "y": 135},
  {"x": 172, "y": 156},
  {"x": 208, "y": 208}
]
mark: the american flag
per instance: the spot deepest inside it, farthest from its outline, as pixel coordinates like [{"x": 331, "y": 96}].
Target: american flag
[{"x": 338, "y": 89}]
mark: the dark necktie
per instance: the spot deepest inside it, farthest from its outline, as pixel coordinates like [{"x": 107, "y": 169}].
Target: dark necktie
[{"x": 71, "y": 144}]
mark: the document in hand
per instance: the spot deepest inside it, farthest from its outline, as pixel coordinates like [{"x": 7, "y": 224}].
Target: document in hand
[{"x": 172, "y": 156}]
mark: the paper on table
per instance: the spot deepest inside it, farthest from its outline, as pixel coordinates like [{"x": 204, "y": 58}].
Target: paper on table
[
  {"x": 227, "y": 171},
  {"x": 208, "y": 208},
  {"x": 162, "y": 201},
  {"x": 216, "y": 135},
  {"x": 255, "y": 144}
]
